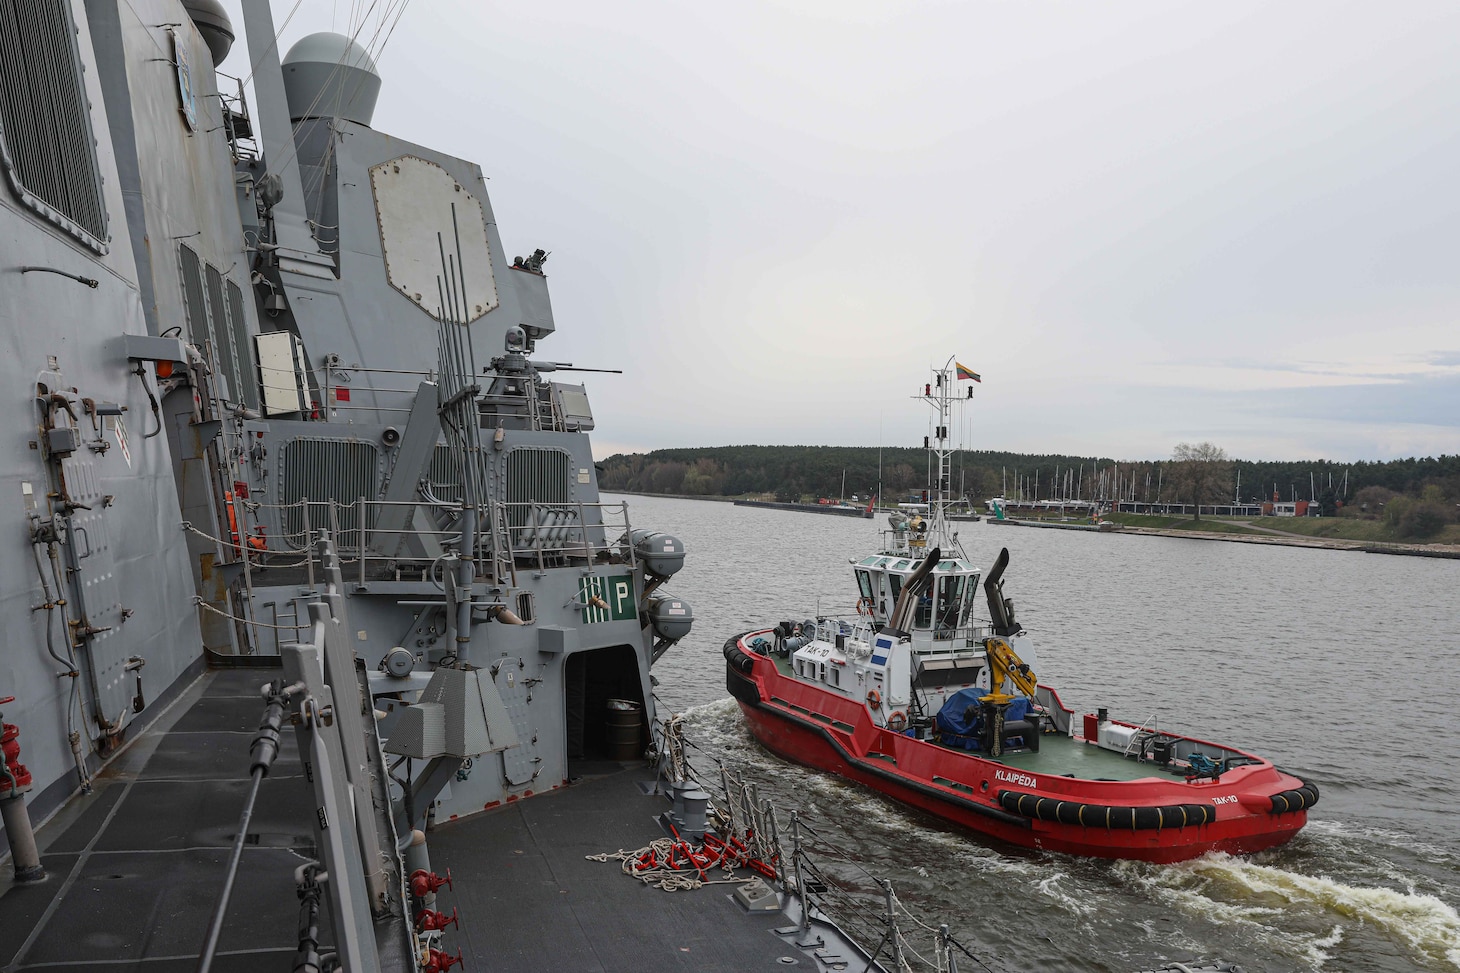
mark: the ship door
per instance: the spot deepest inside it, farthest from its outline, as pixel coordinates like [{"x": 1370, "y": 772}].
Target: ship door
[{"x": 603, "y": 707}]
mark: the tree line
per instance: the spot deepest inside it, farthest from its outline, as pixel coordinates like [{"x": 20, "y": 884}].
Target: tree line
[{"x": 808, "y": 472}]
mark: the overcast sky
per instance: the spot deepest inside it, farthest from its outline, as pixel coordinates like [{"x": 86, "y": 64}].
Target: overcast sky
[{"x": 1142, "y": 223}]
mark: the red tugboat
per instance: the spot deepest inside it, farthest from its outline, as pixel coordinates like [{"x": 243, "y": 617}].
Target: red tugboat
[{"x": 921, "y": 701}]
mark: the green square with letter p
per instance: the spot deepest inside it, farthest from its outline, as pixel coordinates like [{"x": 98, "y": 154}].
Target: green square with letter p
[{"x": 607, "y": 598}]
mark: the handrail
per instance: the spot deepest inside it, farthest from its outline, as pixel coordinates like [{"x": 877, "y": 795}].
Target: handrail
[
  {"x": 830, "y": 885},
  {"x": 509, "y": 534},
  {"x": 1135, "y": 737}
]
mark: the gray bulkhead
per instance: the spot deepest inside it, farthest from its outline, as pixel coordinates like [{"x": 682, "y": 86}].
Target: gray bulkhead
[
  {"x": 143, "y": 458},
  {"x": 123, "y": 563},
  {"x": 192, "y": 260},
  {"x": 368, "y": 335}
]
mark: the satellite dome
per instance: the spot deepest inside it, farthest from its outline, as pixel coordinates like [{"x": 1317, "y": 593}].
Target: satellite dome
[
  {"x": 327, "y": 75},
  {"x": 212, "y": 22}
]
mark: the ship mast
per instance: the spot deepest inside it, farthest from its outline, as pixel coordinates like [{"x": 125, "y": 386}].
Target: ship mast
[{"x": 939, "y": 396}]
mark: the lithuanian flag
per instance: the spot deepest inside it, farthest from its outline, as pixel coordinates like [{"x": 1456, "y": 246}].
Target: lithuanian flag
[{"x": 967, "y": 374}]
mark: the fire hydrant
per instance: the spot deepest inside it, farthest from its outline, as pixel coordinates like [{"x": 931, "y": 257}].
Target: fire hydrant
[
  {"x": 424, "y": 883},
  {"x": 428, "y": 920},
  {"x": 439, "y": 962}
]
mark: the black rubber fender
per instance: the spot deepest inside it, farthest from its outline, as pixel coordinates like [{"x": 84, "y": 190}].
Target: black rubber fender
[
  {"x": 738, "y": 666},
  {"x": 737, "y": 657},
  {"x": 1296, "y": 799},
  {"x": 1107, "y": 816}
]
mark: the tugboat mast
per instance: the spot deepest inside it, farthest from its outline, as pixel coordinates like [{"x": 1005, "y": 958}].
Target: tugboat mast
[{"x": 938, "y": 394}]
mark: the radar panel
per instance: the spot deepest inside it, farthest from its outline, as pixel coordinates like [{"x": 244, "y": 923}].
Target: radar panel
[{"x": 413, "y": 204}]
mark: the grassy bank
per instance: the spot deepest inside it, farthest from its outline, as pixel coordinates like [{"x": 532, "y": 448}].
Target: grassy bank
[
  {"x": 1337, "y": 528},
  {"x": 1208, "y": 524},
  {"x": 1346, "y": 528}
]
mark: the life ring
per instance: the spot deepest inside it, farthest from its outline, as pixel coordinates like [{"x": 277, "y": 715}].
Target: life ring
[
  {"x": 897, "y": 721},
  {"x": 864, "y": 606},
  {"x": 874, "y": 699}
]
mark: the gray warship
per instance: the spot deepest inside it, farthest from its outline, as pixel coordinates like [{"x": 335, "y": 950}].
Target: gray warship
[
  {"x": 316, "y": 623},
  {"x": 305, "y": 558}
]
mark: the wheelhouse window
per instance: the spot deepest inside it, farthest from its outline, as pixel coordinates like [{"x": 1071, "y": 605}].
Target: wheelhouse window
[
  {"x": 970, "y": 599},
  {"x": 924, "y": 615},
  {"x": 864, "y": 584},
  {"x": 950, "y": 599},
  {"x": 46, "y": 145}
]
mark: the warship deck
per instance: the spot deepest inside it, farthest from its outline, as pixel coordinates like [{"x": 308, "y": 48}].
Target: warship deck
[
  {"x": 135, "y": 868},
  {"x": 530, "y": 900}
]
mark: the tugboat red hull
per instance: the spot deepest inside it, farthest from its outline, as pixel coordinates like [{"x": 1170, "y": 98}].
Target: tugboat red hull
[{"x": 1157, "y": 819}]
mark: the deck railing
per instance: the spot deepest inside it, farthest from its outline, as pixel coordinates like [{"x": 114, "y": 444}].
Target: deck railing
[
  {"x": 510, "y": 537},
  {"x": 823, "y": 883},
  {"x": 524, "y": 534}
]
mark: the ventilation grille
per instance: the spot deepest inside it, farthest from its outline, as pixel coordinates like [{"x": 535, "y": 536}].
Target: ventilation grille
[
  {"x": 323, "y": 470},
  {"x": 445, "y": 475},
  {"x": 191, "y": 272},
  {"x": 247, "y": 372},
  {"x": 536, "y": 478},
  {"x": 45, "y": 126},
  {"x": 222, "y": 334}
]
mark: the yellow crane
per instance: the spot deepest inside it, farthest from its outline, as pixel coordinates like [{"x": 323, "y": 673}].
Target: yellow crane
[{"x": 1005, "y": 664}]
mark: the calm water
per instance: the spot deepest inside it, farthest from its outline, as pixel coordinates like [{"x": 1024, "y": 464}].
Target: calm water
[{"x": 1342, "y": 667}]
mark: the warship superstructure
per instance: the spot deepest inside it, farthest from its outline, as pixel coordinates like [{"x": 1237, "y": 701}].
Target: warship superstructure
[{"x": 286, "y": 479}]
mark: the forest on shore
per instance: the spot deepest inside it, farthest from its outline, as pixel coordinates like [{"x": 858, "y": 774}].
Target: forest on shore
[{"x": 810, "y": 472}]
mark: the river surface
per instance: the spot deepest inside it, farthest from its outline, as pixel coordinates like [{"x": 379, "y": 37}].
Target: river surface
[{"x": 1341, "y": 666}]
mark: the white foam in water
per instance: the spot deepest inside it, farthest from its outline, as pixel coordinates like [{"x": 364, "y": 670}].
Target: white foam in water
[
  {"x": 1077, "y": 905},
  {"x": 1186, "y": 888},
  {"x": 1349, "y": 836},
  {"x": 1426, "y": 925}
]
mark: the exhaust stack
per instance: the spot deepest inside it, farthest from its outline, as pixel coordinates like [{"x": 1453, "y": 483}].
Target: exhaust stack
[
  {"x": 1001, "y": 609},
  {"x": 907, "y": 599}
]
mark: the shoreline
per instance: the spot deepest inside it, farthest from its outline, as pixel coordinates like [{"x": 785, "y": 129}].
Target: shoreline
[
  {"x": 1298, "y": 540},
  {"x": 1449, "y": 551},
  {"x": 1444, "y": 551}
]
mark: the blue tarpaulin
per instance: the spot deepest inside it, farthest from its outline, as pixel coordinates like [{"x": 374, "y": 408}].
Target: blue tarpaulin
[{"x": 962, "y": 713}]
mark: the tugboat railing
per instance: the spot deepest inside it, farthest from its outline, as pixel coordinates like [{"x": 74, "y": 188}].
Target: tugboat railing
[
  {"x": 1147, "y": 726},
  {"x": 927, "y": 643}
]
